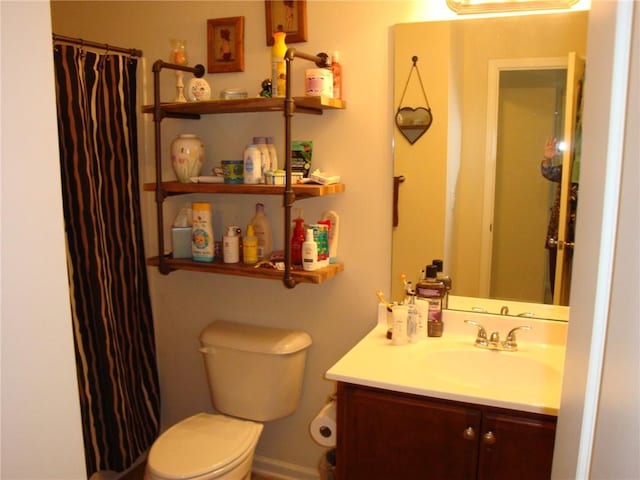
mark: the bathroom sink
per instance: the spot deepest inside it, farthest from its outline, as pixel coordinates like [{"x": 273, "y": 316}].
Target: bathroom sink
[{"x": 480, "y": 369}]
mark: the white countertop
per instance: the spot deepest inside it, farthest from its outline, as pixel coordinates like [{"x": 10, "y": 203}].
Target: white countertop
[{"x": 452, "y": 368}]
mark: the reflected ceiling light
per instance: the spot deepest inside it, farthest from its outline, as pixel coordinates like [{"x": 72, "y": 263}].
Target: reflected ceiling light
[{"x": 485, "y": 6}]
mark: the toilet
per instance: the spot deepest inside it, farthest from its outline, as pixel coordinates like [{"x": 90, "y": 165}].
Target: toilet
[{"x": 255, "y": 375}]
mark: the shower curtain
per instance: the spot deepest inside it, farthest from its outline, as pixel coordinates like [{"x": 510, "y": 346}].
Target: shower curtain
[{"x": 111, "y": 311}]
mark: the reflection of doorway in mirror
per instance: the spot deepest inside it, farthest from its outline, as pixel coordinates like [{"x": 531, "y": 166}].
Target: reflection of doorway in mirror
[{"x": 530, "y": 108}]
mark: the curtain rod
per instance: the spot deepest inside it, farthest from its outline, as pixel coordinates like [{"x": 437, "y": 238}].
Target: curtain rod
[{"x": 134, "y": 52}]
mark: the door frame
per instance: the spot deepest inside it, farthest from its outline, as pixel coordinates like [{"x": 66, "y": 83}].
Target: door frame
[{"x": 495, "y": 67}]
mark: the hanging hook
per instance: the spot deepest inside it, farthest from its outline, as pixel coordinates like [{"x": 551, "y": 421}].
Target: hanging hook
[{"x": 414, "y": 59}]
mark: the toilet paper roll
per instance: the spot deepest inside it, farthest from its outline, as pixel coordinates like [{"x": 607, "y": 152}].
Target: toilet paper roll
[{"x": 323, "y": 426}]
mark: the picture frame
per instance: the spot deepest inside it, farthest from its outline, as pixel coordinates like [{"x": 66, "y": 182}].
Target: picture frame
[
  {"x": 289, "y": 16},
  {"x": 225, "y": 45}
]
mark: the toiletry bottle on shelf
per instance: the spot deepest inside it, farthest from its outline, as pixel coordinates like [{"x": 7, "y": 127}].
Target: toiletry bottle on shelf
[
  {"x": 297, "y": 239},
  {"x": 336, "y": 69},
  {"x": 202, "y": 244},
  {"x": 231, "y": 245},
  {"x": 324, "y": 227},
  {"x": 445, "y": 279},
  {"x": 334, "y": 231},
  {"x": 433, "y": 291},
  {"x": 252, "y": 165},
  {"x": 262, "y": 229},
  {"x": 309, "y": 252},
  {"x": 278, "y": 68},
  {"x": 265, "y": 156},
  {"x": 273, "y": 153},
  {"x": 250, "y": 247}
]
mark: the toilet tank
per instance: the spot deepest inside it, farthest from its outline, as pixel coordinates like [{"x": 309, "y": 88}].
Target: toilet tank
[{"x": 254, "y": 372}]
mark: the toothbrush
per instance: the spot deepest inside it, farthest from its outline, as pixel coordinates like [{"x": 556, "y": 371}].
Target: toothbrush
[{"x": 380, "y": 296}]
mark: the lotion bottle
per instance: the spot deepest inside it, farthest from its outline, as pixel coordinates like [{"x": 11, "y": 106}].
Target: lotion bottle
[
  {"x": 273, "y": 153},
  {"x": 250, "y": 246},
  {"x": 334, "y": 231},
  {"x": 202, "y": 244},
  {"x": 231, "y": 245},
  {"x": 262, "y": 229},
  {"x": 309, "y": 252}
]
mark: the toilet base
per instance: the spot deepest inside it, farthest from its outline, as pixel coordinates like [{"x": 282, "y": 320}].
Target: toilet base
[{"x": 241, "y": 472}]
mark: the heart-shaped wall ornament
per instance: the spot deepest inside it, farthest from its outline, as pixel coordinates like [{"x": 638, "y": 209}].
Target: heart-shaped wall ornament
[{"x": 413, "y": 122}]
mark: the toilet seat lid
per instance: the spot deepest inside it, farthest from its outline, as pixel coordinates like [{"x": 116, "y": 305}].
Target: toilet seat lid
[{"x": 202, "y": 444}]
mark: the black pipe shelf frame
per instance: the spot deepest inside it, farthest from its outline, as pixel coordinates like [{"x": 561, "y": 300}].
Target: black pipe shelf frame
[{"x": 291, "y": 275}]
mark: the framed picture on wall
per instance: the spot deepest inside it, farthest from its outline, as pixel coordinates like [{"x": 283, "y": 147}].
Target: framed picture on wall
[
  {"x": 225, "y": 45},
  {"x": 289, "y": 16}
]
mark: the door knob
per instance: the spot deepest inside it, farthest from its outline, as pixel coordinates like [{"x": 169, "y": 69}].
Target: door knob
[
  {"x": 469, "y": 434},
  {"x": 489, "y": 438}
]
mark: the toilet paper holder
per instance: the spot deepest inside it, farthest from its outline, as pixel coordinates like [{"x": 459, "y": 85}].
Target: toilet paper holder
[{"x": 323, "y": 427}]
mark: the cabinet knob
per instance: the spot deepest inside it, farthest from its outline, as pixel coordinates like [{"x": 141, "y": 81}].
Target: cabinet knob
[
  {"x": 469, "y": 433},
  {"x": 489, "y": 438}
]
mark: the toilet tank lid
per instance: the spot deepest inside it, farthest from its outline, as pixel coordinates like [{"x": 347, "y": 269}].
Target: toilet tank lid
[{"x": 254, "y": 338}]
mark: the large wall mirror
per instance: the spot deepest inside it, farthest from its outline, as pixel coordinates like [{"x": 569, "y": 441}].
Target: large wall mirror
[{"x": 473, "y": 193}]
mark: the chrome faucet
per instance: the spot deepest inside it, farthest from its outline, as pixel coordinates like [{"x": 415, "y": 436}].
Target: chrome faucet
[
  {"x": 494, "y": 343},
  {"x": 481, "y": 338}
]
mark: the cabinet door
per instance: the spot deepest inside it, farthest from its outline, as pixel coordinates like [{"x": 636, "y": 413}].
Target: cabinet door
[
  {"x": 514, "y": 446},
  {"x": 390, "y": 436}
]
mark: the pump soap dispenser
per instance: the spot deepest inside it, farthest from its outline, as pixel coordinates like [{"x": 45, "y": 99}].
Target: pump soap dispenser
[{"x": 309, "y": 252}]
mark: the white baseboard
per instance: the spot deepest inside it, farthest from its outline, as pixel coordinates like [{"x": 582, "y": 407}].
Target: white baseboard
[{"x": 280, "y": 470}]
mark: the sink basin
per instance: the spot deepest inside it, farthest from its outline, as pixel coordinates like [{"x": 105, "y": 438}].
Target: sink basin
[{"x": 480, "y": 369}]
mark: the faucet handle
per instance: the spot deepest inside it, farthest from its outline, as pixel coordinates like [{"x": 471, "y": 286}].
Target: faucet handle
[
  {"x": 510, "y": 342},
  {"x": 481, "y": 338}
]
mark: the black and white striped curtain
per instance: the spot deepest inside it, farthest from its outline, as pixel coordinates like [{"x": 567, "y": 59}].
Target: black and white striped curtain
[{"x": 112, "y": 320}]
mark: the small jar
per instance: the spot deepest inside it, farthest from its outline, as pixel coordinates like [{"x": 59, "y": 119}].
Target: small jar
[{"x": 187, "y": 157}]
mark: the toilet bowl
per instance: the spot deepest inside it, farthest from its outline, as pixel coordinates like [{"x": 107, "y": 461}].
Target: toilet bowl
[
  {"x": 255, "y": 375},
  {"x": 204, "y": 447}
]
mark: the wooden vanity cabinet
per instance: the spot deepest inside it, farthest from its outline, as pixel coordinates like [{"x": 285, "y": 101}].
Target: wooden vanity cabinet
[{"x": 388, "y": 435}]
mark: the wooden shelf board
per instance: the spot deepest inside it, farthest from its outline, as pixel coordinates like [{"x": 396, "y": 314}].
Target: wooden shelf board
[
  {"x": 239, "y": 269},
  {"x": 301, "y": 190},
  {"x": 247, "y": 105}
]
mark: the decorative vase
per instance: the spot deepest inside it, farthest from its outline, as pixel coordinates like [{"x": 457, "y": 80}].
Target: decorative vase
[{"x": 187, "y": 157}]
